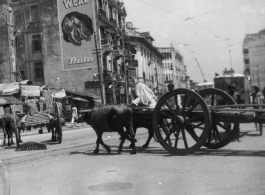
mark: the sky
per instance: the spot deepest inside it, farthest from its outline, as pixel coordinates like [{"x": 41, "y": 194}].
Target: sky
[{"x": 212, "y": 31}]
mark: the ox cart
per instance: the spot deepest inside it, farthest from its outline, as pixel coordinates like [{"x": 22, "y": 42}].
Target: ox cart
[
  {"x": 209, "y": 118},
  {"x": 52, "y": 121}
]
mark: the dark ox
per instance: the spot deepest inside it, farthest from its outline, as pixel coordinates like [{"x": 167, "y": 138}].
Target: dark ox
[
  {"x": 144, "y": 121},
  {"x": 109, "y": 118},
  {"x": 8, "y": 125}
]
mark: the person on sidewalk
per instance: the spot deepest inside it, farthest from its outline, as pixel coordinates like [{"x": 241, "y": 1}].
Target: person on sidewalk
[
  {"x": 74, "y": 114},
  {"x": 257, "y": 98}
]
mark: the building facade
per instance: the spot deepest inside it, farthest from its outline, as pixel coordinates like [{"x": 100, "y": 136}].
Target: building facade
[
  {"x": 67, "y": 44},
  {"x": 254, "y": 58},
  {"x": 174, "y": 70},
  {"x": 84, "y": 46},
  {"x": 7, "y": 53},
  {"x": 146, "y": 63}
]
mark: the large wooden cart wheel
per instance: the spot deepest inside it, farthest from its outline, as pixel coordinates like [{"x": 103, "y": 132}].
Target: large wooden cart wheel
[
  {"x": 58, "y": 126},
  {"x": 222, "y": 133},
  {"x": 181, "y": 121}
]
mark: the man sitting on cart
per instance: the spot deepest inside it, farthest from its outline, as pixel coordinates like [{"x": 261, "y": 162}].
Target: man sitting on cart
[{"x": 145, "y": 97}]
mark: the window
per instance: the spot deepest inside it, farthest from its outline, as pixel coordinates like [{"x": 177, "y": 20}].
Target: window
[
  {"x": 22, "y": 74},
  {"x": 246, "y": 61},
  {"x": 34, "y": 13},
  {"x": 38, "y": 71},
  {"x": 36, "y": 43},
  {"x": 18, "y": 19},
  {"x": 245, "y": 51},
  {"x": 19, "y": 45},
  {"x": 144, "y": 74}
]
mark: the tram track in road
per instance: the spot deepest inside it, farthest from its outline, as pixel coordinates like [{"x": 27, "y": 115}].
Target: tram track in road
[{"x": 68, "y": 146}]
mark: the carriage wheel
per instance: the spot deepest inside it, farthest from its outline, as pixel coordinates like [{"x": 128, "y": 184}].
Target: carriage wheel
[
  {"x": 222, "y": 133},
  {"x": 181, "y": 121},
  {"x": 58, "y": 131}
]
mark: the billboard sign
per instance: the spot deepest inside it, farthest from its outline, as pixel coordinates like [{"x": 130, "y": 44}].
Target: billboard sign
[{"x": 76, "y": 24}]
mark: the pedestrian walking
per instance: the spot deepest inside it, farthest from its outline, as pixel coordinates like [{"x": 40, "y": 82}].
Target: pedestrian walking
[
  {"x": 232, "y": 92},
  {"x": 74, "y": 114},
  {"x": 257, "y": 98},
  {"x": 263, "y": 94}
]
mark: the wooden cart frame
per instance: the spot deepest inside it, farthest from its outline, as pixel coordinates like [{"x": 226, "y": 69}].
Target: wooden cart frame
[{"x": 209, "y": 118}]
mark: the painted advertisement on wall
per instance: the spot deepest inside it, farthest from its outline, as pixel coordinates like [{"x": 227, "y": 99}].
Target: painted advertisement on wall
[{"x": 76, "y": 21}]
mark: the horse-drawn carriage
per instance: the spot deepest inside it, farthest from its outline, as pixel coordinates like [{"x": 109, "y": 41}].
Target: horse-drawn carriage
[{"x": 13, "y": 121}]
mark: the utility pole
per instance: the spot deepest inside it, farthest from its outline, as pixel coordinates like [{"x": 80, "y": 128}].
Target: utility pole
[
  {"x": 200, "y": 69},
  {"x": 10, "y": 40},
  {"x": 99, "y": 72},
  {"x": 258, "y": 75},
  {"x": 125, "y": 69},
  {"x": 113, "y": 83},
  {"x": 230, "y": 59}
]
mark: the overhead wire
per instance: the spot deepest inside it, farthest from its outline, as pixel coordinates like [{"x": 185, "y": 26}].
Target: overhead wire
[
  {"x": 162, "y": 8},
  {"x": 186, "y": 18}
]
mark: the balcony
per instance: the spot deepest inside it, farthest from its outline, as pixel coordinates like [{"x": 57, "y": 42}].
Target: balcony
[
  {"x": 109, "y": 75},
  {"x": 168, "y": 81},
  {"x": 117, "y": 50},
  {"x": 106, "y": 42},
  {"x": 102, "y": 12},
  {"x": 128, "y": 53},
  {"x": 116, "y": 42},
  {"x": 120, "y": 77},
  {"x": 113, "y": 21}
]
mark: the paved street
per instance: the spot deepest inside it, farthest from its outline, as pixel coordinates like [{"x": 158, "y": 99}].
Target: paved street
[{"x": 71, "y": 168}]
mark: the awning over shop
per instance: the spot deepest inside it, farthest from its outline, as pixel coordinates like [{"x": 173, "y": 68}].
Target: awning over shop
[
  {"x": 71, "y": 92},
  {"x": 12, "y": 88},
  {"x": 4, "y": 99},
  {"x": 24, "y": 82},
  {"x": 79, "y": 99},
  {"x": 9, "y": 88}
]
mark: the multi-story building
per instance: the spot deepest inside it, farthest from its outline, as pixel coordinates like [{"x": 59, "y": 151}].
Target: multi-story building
[
  {"x": 174, "y": 71},
  {"x": 146, "y": 61},
  {"x": 7, "y": 44},
  {"x": 80, "y": 46},
  {"x": 254, "y": 58}
]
